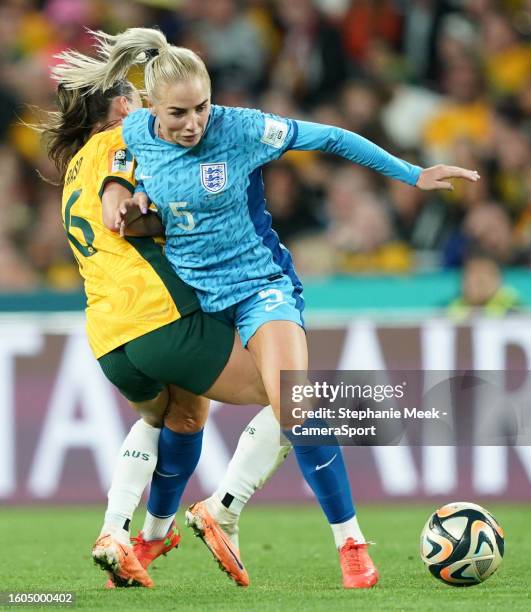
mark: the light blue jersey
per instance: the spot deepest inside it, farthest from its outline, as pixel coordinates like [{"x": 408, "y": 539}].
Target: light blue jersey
[{"x": 211, "y": 197}]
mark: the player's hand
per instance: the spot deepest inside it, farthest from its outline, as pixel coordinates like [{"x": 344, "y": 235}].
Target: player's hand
[
  {"x": 123, "y": 213},
  {"x": 437, "y": 177}
]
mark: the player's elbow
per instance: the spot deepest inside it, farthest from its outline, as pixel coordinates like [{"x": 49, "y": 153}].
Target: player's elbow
[
  {"x": 109, "y": 220},
  {"x": 335, "y": 140},
  {"x": 110, "y": 225}
]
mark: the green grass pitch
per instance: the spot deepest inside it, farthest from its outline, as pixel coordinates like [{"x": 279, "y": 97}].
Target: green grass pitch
[{"x": 289, "y": 554}]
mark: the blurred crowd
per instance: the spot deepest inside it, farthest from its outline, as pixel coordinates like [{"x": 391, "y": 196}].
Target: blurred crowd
[{"x": 431, "y": 81}]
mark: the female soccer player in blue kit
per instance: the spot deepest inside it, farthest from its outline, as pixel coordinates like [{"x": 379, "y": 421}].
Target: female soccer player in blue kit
[{"x": 201, "y": 165}]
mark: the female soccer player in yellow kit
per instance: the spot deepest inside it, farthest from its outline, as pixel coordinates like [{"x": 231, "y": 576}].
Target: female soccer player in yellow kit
[{"x": 139, "y": 312}]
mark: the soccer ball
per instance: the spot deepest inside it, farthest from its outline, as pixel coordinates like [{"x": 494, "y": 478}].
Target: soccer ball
[{"x": 462, "y": 544}]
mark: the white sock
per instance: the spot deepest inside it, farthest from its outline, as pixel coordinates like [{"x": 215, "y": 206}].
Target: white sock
[
  {"x": 156, "y": 528},
  {"x": 117, "y": 533},
  {"x": 133, "y": 470},
  {"x": 348, "y": 529},
  {"x": 257, "y": 457}
]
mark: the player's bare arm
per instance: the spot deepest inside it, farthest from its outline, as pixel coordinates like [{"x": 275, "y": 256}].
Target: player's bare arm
[{"x": 132, "y": 221}]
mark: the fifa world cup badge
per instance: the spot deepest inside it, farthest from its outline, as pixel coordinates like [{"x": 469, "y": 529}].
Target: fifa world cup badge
[{"x": 122, "y": 161}]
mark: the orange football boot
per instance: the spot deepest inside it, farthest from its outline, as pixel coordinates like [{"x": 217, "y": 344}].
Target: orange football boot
[
  {"x": 357, "y": 567},
  {"x": 208, "y": 529},
  {"x": 147, "y": 551},
  {"x": 121, "y": 562}
]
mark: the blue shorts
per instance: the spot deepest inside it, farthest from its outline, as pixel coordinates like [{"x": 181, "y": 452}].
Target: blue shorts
[{"x": 278, "y": 300}]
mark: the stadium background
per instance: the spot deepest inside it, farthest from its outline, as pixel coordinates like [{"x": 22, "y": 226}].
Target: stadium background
[{"x": 383, "y": 263}]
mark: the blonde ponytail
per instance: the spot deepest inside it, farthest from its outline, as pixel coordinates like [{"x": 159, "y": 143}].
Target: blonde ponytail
[
  {"x": 116, "y": 55},
  {"x": 165, "y": 63},
  {"x": 78, "y": 71},
  {"x": 122, "y": 51}
]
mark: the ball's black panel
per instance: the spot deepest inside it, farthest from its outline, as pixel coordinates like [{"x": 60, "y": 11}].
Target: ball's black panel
[
  {"x": 458, "y": 574},
  {"x": 483, "y": 539},
  {"x": 436, "y": 548}
]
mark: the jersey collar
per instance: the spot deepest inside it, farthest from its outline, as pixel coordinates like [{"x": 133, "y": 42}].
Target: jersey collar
[{"x": 151, "y": 127}]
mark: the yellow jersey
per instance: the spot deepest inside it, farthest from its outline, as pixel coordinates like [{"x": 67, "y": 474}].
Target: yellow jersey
[{"x": 131, "y": 287}]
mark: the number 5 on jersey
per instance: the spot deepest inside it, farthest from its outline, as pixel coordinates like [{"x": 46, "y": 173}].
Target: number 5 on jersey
[{"x": 187, "y": 222}]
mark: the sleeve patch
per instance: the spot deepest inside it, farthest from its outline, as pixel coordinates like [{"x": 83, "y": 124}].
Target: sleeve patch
[
  {"x": 122, "y": 161},
  {"x": 275, "y": 133}
]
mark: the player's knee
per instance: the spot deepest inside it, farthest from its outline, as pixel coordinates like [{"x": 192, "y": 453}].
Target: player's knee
[
  {"x": 186, "y": 413},
  {"x": 186, "y": 424},
  {"x": 262, "y": 395},
  {"x": 258, "y": 391}
]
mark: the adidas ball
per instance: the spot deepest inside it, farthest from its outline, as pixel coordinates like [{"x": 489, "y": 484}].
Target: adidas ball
[{"x": 462, "y": 544}]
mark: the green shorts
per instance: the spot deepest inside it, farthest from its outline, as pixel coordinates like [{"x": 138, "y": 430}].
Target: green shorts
[{"x": 190, "y": 353}]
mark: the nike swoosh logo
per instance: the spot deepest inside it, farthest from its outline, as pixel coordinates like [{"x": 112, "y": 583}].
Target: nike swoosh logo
[
  {"x": 123, "y": 550},
  {"x": 143, "y": 177},
  {"x": 320, "y": 467},
  {"x": 270, "y": 307},
  {"x": 232, "y": 553},
  {"x": 166, "y": 476}
]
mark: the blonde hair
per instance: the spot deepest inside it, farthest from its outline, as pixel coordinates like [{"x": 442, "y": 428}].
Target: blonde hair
[
  {"x": 87, "y": 85},
  {"x": 164, "y": 63},
  {"x": 81, "y": 106}
]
